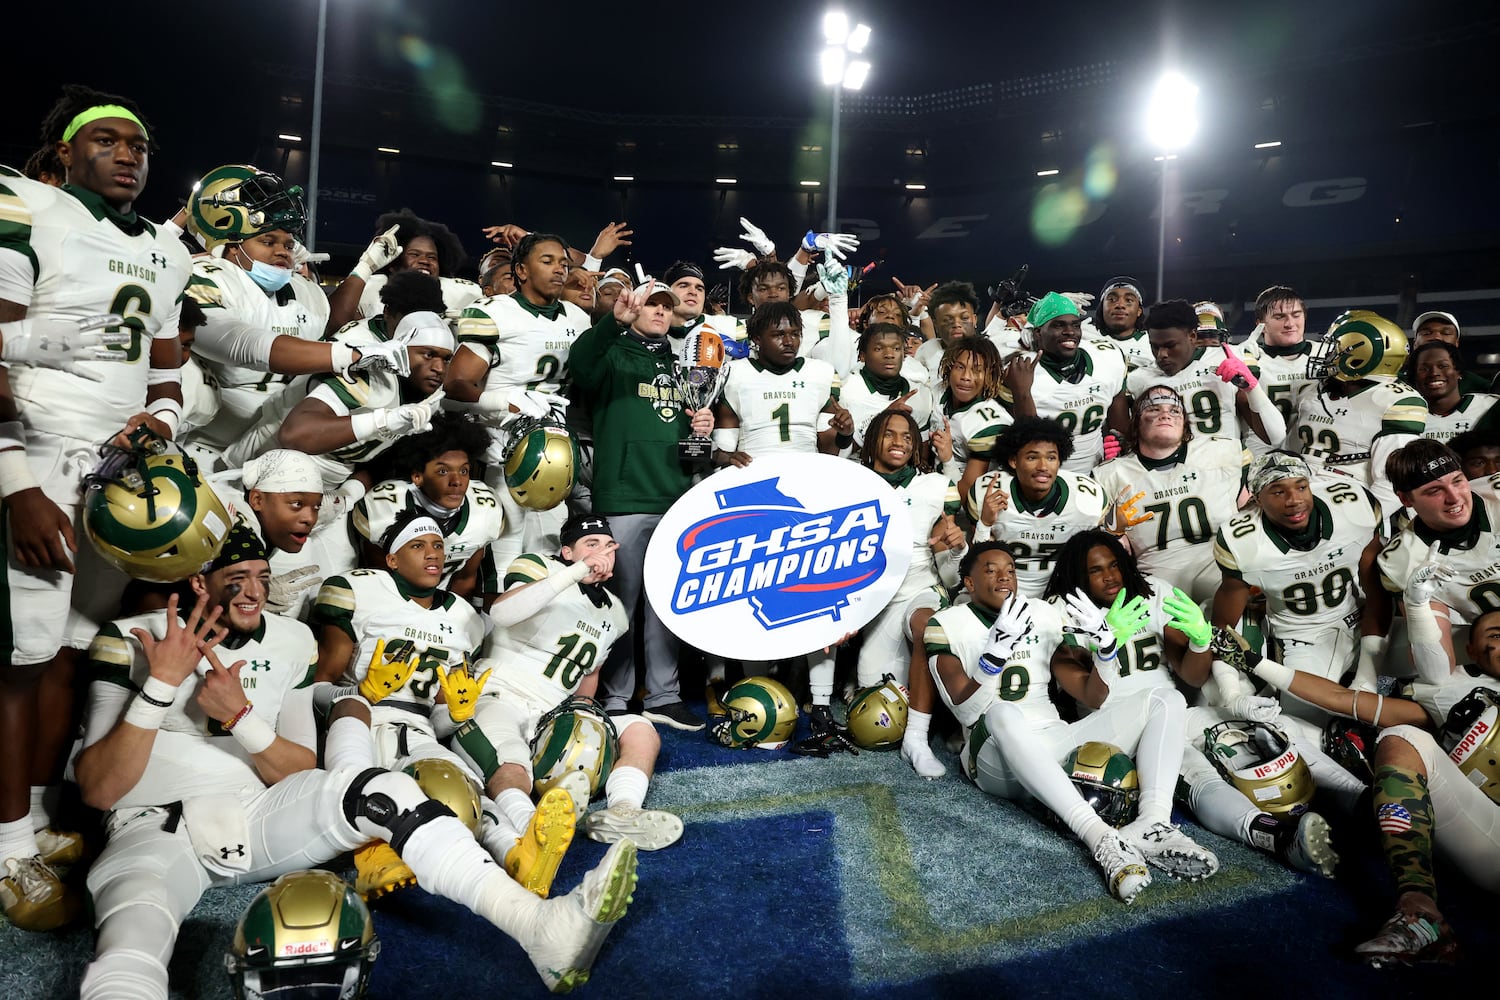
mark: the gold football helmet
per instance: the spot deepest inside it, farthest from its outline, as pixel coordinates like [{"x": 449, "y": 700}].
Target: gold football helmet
[
  {"x": 150, "y": 513},
  {"x": 1469, "y": 737},
  {"x": 1261, "y": 762},
  {"x": 577, "y": 735},
  {"x": 1360, "y": 344},
  {"x": 306, "y": 934},
  {"x": 542, "y": 463},
  {"x": 1106, "y": 778},
  {"x": 758, "y": 712},
  {"x": 877, "y": 716},
  {"x": 234, "y": 202},
  {"x": 451, "y": 785}
]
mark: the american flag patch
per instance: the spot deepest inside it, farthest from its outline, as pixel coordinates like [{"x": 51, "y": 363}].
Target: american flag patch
[{"x": 1393, "y": 818}]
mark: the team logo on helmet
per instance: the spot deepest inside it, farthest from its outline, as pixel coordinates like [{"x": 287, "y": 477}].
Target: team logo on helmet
[
  {"x": 1106, "y": 778},
  {"x": 541, "y": 463},
  {"x": 1360, "y": 344},
  {"x": 758, "y": 712},
  {"x": 306, "y": 934},
  {"x": 235, "y": 202},
  {"x": 1469, "y": 737},
  {"x": 577, "y": 735}
]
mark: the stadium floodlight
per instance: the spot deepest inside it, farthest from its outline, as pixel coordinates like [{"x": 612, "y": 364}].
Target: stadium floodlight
[
  {"x": 1171, "y": 122},
  {"x": 840, "y": 72}
]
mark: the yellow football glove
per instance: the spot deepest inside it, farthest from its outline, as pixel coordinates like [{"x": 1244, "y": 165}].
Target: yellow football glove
[
  {"x": 461, "y": 690},
  {"x": 1123, "y": 513},
  {"x": 385, "y": 677}
]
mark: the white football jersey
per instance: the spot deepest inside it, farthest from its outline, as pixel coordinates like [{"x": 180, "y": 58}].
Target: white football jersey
[
  {"x": 1283, "y": 374},
  {"x": 71, "y": 257},
  {"x": 1210, "y": 401},
  {"x": 1033, "y": 537},
  {"x": 975, "y": 425},
  {"x": 926, "y": 498},
  {"x": 1339, "y": 433},
  {"x": 229, "y": 296},
  {"x": 193, "y": 754},
  {"x": 779, "y": 412},
  {"x": 458, "y": 294},
  {"x": 963, "y": 631},
  {"x": 468, "y": 530},
  {"x": 549, "y": 654},
  {"x": 1465, "y": 417},
  {"x": 370, "y": 604},
  {"x": 1142, "y": 662},
  {"x": 1307, "y": 590},
  {"x": 1136, "y": 348},
  {"x": 200, "y": 399},
  {"x": 864, "y": 402},
  {"x": 1078, "y": 397},
  {"x": 526, "y": 345},
  {"x": 1189, "y": 495},
  {"x": 1473, "y": 556}
]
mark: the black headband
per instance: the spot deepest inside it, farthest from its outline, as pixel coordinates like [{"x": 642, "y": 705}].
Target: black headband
[{"x": 1429, "y": 471}]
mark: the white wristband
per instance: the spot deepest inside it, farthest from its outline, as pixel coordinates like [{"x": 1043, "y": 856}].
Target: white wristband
[
  {"x": 362, "y": 271},
  {"x": 1278, "y": 675},
  {"x": 1194, "y": 647},
  {"x": 159, "y": 690},
  {"x": 343, "y": 357},
  {"x": 364, "y": 424},
  {"x": 150, "y": 707},
  {"x": 15, "y": 472},
  {"x": 726, "y": 439},
  {"x": 253, "y": 733},
  {"x": 494, "y": 401},
  {"x": 168, "y": 411},
  {"x": 163, "y": 376}
]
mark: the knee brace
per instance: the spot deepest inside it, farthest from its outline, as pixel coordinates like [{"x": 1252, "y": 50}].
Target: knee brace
[{"x": 393, "y": 803}]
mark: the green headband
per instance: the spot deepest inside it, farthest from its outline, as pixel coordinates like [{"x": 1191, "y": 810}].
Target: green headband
[
  {"x": 97, "y": 112},
  {"x": 1048, "y": 308}
]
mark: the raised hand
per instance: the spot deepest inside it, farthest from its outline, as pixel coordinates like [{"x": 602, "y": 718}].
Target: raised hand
[
  {"x": 1086, "y": 619},
  {"x": 946, "y": 535},
  {"x": 756, "y": 237},
  {"x": 385, "y": 677},
  {"x": 836, "y": 245},
  {"x": 1188, "y": 618},
  {"x": 287, "y": 588},
  {"x": 729, "y": 258},
  {"x": 1012, "y": 624},
  {"x": 996, "y": 500},
  {"x": 1113, "y": 446},
  {"x": 1127, "y": 617},
  {"x": 387, "y": 355},
  {"x": 461, "y": 690},
  {"x": 1019, "y": 374},
  {"x": 1233, "y": 369},
  {"x": 1427, "y": 581},
  {"x": 1123, "y": 513},
  {"x": 382, "y": 250},
  {"x": 221, "y": 694},
  {"x": 902, "y": 402},
  {"x": 174, "y": 657},
  {"x": 507, "y": 235},
  {"x": 835, "y": 277},
  {"x": 942, "y": 442},
  {"x": 611, "y": 238}
]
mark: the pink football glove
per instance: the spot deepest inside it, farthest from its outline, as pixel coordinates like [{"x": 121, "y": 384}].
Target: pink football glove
[
  {"x": 1233, "y": 369},
  {"x": 1112, "y": 446}
]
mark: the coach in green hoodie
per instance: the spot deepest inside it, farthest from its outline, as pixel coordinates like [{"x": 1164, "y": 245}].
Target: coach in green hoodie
[{"x": 624, "y": 369}]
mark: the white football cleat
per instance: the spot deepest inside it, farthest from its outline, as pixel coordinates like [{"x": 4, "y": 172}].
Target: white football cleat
[
  {"x": 1124, "y": 868},
  {"x": 651, "y": 829},
  {"x": 1171, "y": 850},
  {"x": 573, "y": 927}
]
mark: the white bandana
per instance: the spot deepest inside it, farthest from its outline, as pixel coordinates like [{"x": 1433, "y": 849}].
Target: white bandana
[
  {"x": 282, "y": 471},
  {"x": 424, "y": 329}
]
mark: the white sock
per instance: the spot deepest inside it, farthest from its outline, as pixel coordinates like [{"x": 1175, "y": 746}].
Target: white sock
[
  {"x": 820, "y": 677},
  {"x": 516, "y": 806},
  {"x": 17, "y": 840},
  {"x": 495, "y": 832},
  {"x": 626, "y": 786},
  {"x": 44, "y": 805},
  {"x": 447, "y": 861},
  {"x": 916, "y": 728}
]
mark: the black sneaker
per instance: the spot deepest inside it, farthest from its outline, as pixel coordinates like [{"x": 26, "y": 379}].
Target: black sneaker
[{"x": 677, "y": 715}]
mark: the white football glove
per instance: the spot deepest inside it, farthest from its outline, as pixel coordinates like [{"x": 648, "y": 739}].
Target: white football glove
[
  {"x": 409, "y": 418},
  {"x": 835, "y": 277},
  {"x": 733, "y": 257},
  {"x": 1427, "y": 581},
  {"x": 1083, "y": 300},
  {"x": 389, "y": 355},
  {"x": 529, "y": 403},
  {"x": 301, "y": 255},
  {"x": 340, "y": 501},
  {"x": 1087, "y": 620},
  {"x": 382, "y": 250},
  {"x": 47, "y": 342},
  {"x": 286, "y": 589},
  {"x": 1253, "y": 707},
  {"x": 756, "y": 237},
  {"x": 837, "y": 245},
  {"x": 1012, "y": 624}
]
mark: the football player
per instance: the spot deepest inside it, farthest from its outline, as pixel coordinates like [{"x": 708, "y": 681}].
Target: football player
[
  {"x": 1127, "y": 637},
  {"x": 206, "y": 785},
  {"x": 1437, "y": 370},
  {"x": 1479, "y": 451},
  {"x": 1281, "y": 350},
  {"x": 1427, "y": 793},
  {"x": 969, "y": 406},
  {"x": 1080, "y": 384},
  {"x": 1183, "y": 486},
  {"x": 1358, "y": 413},
  {"x": 1309, "y": 546},
  {"x": 1221, "y": 391},
  {"x": 1031, "y": 502},
  {"x": 68, "y": 254},
  {"x": 991, "y": 660},
  {"x": 436, "y": 467},
  {"x": 878, "y": 384},
  {"x": 1121, "y": 315},
  {"x": 403, "y": 242},
  {"x": 557, "y": 623}
]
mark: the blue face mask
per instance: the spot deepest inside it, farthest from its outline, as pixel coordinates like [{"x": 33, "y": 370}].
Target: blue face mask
[{"x": 270, "y": 278}]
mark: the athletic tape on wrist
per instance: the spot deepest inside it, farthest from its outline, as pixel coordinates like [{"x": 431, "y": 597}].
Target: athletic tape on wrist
[
  {"x": 15, "y": 472},
  {"x": 253, "y": 733}
]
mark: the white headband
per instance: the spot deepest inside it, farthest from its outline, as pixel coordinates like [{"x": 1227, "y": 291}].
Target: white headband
[
  {"x": 424, "y": 329},
  {"x": 415, "y": 529},
  {"x": 282, "y": 471}
]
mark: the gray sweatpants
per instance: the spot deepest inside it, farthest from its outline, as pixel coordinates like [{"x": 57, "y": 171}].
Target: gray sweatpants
[{"x": 617, "y": 679}]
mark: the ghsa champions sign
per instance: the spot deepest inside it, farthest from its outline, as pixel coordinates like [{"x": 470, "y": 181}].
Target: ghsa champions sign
[{"x": 782, "y": 557}]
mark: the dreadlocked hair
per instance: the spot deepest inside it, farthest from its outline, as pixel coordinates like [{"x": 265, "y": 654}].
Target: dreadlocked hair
[
  {"x": 1071, "y": 571},
  {"x": 984, "y": 353},
  {"x": 450, "y": 250},
  {"x": 868, "y": 309},
  {"x": 876, "y": 428},
  {"x": 75, "y": 99},
  {"x": 46, "y": 161}
]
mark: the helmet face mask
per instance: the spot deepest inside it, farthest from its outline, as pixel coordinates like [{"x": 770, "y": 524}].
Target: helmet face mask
[
  {"x": 577, "y": 735},
  {"x": 1359, "y": 344},
  {"x": 758, "y": 712},
  {"x": 1260, "y": 760},
  {"x": 1106, "y": 778},
  {"x": 306, "y": 935},
  {"x": 878, "y": 715},
  {"x": 232, "y": 203},
  {"x": 541, "y": 463}
]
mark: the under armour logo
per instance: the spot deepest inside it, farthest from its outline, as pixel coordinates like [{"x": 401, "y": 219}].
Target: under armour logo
[
  {"x": 301, "y": 318},
  {"x": 238, "y": 851},
  {"x": 159, "y": 259},
  {"x": 260, "y": 665},
  {"x": 444, "y": 627},
  {"x": 799, "y": 384}
]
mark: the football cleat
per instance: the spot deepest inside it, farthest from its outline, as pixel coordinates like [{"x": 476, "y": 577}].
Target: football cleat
[
  {"x": 1421, "y": 935},
  {"x": 534, "y": 859},
  {"x": 34, "y": 898},
  {"x": 1174, "y": 852},
  {"x": 1304, "y": 842},
  {"x": 651, "y": 829},
  {"x": 379, "y": 871},
  {"x": 573, "y": 928},
  {"x": 1124, "y": 868},
  {"x": 59, "y": 847}
]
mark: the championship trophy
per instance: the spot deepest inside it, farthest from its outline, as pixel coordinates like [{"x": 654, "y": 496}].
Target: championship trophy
[{"x": 700, "y": 376}]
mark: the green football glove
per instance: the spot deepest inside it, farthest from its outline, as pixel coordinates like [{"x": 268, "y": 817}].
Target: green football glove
[{"x": 1188, "y": 619}]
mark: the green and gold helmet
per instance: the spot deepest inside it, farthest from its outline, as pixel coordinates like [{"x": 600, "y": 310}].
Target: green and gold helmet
[
  {"x": 758, "y": 712},
  {"x": 541, "y": 463},
  {"x": 577, "y": 735},
  {"x": 1469, "y": 737},
  {"x": 1105, "y": 776},
  {"x": 234, "y": 202},
  {"x": 1262, "y": 763},
  {"x": 1360, "y": 344},
  {"x": 451, "y": 785},
  {"x": 305, "y": 935},
  {"x": 150, "y": 513},
  {"x": 877, "y": 715}
]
